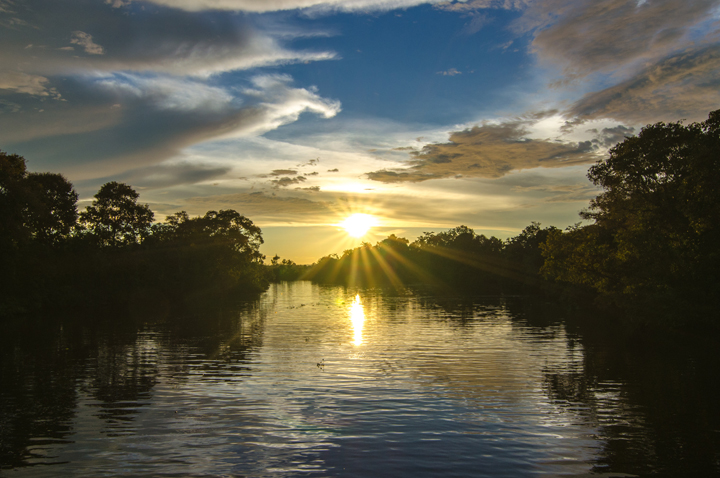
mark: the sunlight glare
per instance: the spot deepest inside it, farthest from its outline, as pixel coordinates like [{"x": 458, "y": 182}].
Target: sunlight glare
[
  {"x": 357, "y": 317},
  {"x": 357, "y": 225}
]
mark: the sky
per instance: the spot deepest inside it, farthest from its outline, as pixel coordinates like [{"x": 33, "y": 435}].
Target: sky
[{"x": 425, "y": 114}]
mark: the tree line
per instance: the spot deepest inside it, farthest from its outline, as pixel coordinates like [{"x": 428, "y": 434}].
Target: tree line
[
  {"x": 112, "y": 253},
  {"x": 457, "y": 260},
  {"x": 650, "y": 246}
]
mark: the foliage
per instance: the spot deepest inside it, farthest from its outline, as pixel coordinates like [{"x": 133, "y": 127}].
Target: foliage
[
  {"x": 115, "y": 218},
  {"x": 35, "y": 207},
  {"x": 457, "y": 260},
  {"x": 285, "y": 270},
  {"x": 217, "y": 252},
  {"x": 113, "y": 253},
  {"x": 654, "y": 241}
]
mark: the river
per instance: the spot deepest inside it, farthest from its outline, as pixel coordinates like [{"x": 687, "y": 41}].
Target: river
[{"x": 326, "y": 381}]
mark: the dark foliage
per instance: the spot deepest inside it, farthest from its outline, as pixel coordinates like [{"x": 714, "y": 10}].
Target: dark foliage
[
  {"x": 457, "y": 260},
  {"x": 286, "y": 270},
  {"x": 653, "y": 247},
  {"x": 111, "y": 256}
]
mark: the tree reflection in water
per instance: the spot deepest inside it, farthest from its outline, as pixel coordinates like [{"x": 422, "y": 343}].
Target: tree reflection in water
[
  {"x": 651, "y": 395},
  {"x": 51, "y": 366},
  {"x": 470, "y": 370}
]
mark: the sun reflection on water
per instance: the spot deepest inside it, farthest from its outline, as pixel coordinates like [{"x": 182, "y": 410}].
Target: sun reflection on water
[{"x": 357, "y": 317}]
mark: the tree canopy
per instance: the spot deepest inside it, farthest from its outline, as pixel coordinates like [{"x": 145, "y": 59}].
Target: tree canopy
[
  {"x": 115, "y": 218},
  {"x": 656, "y": 225},
  {"x": 35, "y": 207}
]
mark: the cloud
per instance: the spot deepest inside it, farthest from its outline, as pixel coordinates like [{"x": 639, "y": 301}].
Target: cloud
[
  {"x": 168, "y": 175},
  {"x": 586, "y": 36},
  {"x": 557, "y": 192},
  {"x": 282, "y": 172},
  {"x": 278, "y": 5},
  {"x": 488, "y": 151},
  {"x": 609, "y": 137},
  {"x": 265, "y": 206},
  {"x": 287, "y": 181},
  {"x": 450, "y": 72},
  {"x": 154, "y": 39},
  {"x": 476, "y": 23},
  {"x": 685, "y": 85},
  {"x": 475, "y": 5},
  {"x": 86, "y": 41},
  {"x": 284, "y": 104},
  {"x": 18, "y": 82},
  {"x": 115, "y": 123},
  {"x": 166, "y": 93}
]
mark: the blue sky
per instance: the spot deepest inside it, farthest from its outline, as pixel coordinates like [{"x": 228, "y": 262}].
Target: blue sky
[{"x": 296, "y": 113}]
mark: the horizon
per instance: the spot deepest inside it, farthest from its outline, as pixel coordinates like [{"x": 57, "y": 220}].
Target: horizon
[{"x": 424, "y": 115}]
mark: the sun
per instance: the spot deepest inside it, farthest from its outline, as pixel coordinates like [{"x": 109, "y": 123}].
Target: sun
[{"x": 357, "y": 225}]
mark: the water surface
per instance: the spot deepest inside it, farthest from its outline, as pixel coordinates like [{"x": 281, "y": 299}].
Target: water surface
[{"x": 327, "y": 381}]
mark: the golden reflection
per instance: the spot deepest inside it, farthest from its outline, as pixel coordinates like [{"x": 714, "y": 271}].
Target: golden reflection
[{"x": 357, "y": 317}]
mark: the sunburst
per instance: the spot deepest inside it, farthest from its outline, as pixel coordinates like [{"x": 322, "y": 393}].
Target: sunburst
[{"x": 358, "y": 224}]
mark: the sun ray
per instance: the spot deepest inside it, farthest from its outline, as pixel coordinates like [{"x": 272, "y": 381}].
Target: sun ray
[
  {"x": 389, "y": 272},
  {"x": 358, "y": 224}
]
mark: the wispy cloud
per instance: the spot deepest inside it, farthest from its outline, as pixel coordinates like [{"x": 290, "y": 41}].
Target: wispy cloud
[
  {"x": 279, "y": 5},
  {"x": 586, "y": 36},
  {"x": 147, "y": 120},
  {"x": 268, "y": 206},
  {"x": 450, "y": 72},
  {"x": 169, "y": 41},
  {"x": 685, "y": 85}
]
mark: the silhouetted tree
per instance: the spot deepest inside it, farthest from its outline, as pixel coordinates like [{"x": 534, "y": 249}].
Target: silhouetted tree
[
  {"x": 115, "y": 218},
  {"x": 52, "y": 207},
  {"x": 34, "y": 207},
  {"x": 654, "y": 241}
]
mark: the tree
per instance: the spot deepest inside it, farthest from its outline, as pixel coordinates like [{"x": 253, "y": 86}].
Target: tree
[
  {"x": 34, "y": 207},
  {"x": 52, "y": 207},
  {"x": 12, "y": 198},
  {"x": 227, "y": 227},
  {"x": 657, "y": 222},
  {"x": 115, "y": 218}
]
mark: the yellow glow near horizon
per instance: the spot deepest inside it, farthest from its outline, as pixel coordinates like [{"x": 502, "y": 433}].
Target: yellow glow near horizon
[
  {"x": 357, "y": 317},
  {"x": 357, "y": 225}
]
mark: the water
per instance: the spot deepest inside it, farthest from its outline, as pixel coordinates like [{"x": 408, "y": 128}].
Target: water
[{"x": 326, "y": 381}]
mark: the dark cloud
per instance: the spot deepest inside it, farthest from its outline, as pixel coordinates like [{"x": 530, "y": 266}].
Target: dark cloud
[
  {"x": 685, "y": 85},
  {"x": 312, "y": 162},
  {"x": 105, "y": 87},
  {"x": 334, "y": 170},
  {"x": 166, "y": 175},
  {"x": 287, "y": 181},
  {"x": 586, "y": 36},
  {"x": 283, "y": 172},
  {"x": 58, "y": 36},
  {"x": 488, "y": 151},
  {"x": 122, "y": 122},
  {"x": 90, "y": 131},
  {"x": 611, "y": 136}
]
